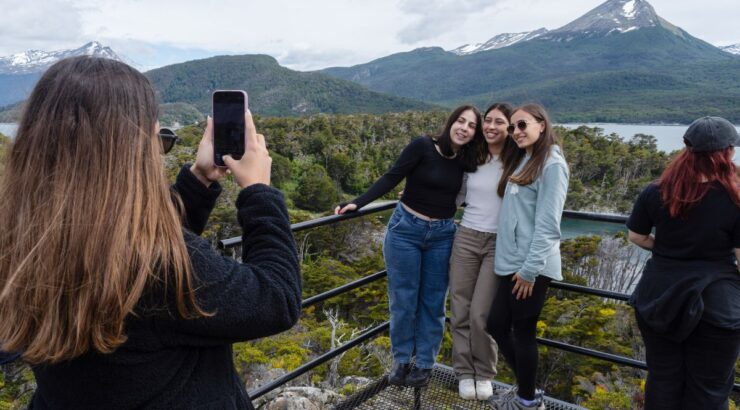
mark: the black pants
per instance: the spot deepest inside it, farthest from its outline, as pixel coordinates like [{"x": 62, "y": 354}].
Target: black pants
[
  {"x": 697, "y": 373},
  {"x": 513, "y": 324}
]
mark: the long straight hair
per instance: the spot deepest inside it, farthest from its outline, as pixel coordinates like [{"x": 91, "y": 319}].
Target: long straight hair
[
  {"x": 470, "y": 154},
  {"x": 87, "y": 217},
  {"x": 680, "y": 185},
  {"x": 540, "y": 149}
]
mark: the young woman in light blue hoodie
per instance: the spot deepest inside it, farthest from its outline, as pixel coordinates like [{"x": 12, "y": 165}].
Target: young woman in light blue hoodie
[{"x": 527, "y": 248}]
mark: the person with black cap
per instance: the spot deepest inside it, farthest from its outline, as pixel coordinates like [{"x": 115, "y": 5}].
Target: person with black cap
[{"x": 687, "y": 302}]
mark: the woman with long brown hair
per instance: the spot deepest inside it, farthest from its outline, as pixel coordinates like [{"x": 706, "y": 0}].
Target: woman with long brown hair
[
  {"x": 527, "y": 248},
  {"x": 687, "y": 302},
  {"x": 418, "y": 241},
  {"x": 112, "y": 301}
]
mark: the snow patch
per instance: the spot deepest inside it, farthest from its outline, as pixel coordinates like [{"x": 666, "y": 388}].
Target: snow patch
[{"x": 629, "y": 9}]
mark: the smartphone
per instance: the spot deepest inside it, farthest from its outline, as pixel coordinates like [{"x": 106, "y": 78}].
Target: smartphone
[{"x": 229, "y": 107}]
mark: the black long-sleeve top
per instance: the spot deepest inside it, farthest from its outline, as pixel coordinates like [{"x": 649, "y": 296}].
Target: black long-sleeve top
[
  {"x": 432, "y": 181},
  {"x": 169, "y": 362}
]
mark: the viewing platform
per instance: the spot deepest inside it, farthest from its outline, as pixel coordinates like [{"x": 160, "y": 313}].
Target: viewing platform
[{"x": 441, "y": 393}]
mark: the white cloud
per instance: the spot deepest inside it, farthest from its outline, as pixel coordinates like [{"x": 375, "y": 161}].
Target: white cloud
[
  {"x": 41, "y": 24},
  {"x": 308, "y": 34},
  {"x": 435, "y": 18}
]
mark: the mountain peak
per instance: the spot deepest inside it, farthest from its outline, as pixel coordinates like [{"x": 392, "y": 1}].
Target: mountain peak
[
  {"x": 732, "y": 49},
  {"x": 612, "y": 16},
  {"x": 36, "y": 61},
  {"x": 499, "y": 41}
]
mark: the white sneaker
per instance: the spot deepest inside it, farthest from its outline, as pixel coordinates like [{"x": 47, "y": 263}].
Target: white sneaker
[
  {"x": 483, "y": 389},
  {"x": 467, "y": 389}
]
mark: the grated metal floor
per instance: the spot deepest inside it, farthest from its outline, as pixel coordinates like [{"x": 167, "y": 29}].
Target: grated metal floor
[{"x": 441, "y": 394}]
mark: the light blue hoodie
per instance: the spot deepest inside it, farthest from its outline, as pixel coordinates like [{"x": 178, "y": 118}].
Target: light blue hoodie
[{"x": 528, "y": 240}]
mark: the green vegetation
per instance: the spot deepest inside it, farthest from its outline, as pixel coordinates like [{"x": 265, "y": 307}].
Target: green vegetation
[
  {"x": 319, "y": 159},
  {"x": 647, "y": 75},
  {"x": 273, "y": 90}
]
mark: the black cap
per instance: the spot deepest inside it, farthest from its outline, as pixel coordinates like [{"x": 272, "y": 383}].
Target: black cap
[{"x": 711, "y": 134}]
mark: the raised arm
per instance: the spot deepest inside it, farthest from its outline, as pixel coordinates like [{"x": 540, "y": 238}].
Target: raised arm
[
  {"x": 197, "y": 199},
  {"x": 406, "y": 162}
]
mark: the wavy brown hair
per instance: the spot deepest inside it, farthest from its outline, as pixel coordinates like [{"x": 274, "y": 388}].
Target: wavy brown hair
[
  {"x": 88, "y": 221},
  {"x": 540, "y": 149},
  {"x": 472, "y": 153}
]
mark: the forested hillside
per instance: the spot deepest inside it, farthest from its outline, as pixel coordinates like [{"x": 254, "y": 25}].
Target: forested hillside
[{"x": 321, "y": 159}]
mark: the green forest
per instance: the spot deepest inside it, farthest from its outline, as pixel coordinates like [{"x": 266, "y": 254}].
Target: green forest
[{"x": 322, "y": 159}]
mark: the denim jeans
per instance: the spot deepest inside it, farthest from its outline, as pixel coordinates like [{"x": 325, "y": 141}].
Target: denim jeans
[{"x": 417, "y": 254}]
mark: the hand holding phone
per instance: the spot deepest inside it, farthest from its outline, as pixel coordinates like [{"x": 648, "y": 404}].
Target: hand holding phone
[
  {"x": 255, "y": 165},
  {"x": 204, "y": 168},
  {"x": 229, "y": 107}
]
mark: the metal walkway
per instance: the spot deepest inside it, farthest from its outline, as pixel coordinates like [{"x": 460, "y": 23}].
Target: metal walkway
[{"x": 441, "y": 394}]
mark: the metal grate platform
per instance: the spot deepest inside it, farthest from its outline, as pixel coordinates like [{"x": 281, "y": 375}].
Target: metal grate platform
[{"x": 441, "y": 394}]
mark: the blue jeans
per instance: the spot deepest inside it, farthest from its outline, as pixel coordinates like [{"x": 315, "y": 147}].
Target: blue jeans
[{"x": 417, "y": 255}]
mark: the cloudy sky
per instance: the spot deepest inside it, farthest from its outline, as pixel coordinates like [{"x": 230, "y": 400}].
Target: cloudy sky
[{"x": 309, "y": 34}]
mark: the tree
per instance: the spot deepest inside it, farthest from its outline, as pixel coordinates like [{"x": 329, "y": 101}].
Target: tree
[
  {"x": 316, "y": 191},
  {"x": 281, "y": 170}
]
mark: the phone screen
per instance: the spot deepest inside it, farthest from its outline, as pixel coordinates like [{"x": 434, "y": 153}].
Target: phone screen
[{"x": 228, "y": 124}]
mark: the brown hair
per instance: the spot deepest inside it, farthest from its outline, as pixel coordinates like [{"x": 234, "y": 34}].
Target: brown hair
[
  {"x": 540, "y": 150},
  {"x": 470, "y": 154},
  {"x": 88, "y": 221}
]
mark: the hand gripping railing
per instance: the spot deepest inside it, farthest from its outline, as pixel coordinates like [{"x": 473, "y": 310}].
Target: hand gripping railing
[{"x": 374, "y": 332}]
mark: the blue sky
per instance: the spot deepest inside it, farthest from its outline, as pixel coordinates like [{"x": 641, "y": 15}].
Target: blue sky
[{"x": 306, "y": 35}]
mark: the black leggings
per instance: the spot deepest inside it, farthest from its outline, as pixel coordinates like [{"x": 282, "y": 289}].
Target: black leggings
[{"x": 513, "y": 323}]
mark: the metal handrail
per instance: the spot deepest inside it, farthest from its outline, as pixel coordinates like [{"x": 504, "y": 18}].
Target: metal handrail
[
  {"x": 370, "y": 334},
  {"x": 323, "y": 221},
  {"x": 590, "y": 291},
  {"x": 343, "y": 289},
  {"x": 383, "y": 206},
  {"x": 374, "y": 332}
]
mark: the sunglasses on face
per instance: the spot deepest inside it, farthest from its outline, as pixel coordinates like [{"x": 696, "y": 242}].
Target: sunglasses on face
[
  {"x": 521, "y": 124},
  {"x": 168, "y": 138}
]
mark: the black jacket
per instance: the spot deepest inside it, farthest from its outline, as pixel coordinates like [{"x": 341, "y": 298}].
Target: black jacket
[{"x": 173, "y": 363}]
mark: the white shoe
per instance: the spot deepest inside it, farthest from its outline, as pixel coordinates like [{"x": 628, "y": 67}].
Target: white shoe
[
  {"x": 467, "y": 389},
  {"x": 483, "y": 389}
]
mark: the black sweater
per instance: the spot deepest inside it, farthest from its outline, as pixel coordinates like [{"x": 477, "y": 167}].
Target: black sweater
[
  {"x": 432, "y": 181},
  {"x": 173, "y": 363}
]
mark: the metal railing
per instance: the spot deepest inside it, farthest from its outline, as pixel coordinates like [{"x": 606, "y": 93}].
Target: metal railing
[{"x": 377, "y": 330}]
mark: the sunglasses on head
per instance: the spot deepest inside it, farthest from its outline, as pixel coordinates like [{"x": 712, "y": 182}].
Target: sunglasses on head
[
  {"x": 521, "y": 124},
  {"x": 168, "y": 138}
]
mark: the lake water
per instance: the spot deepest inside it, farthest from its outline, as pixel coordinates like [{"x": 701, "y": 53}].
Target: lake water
[
  {"x": 8, "y": 129},
  {"x": 571, "y": 228},
  {"x": 668, "y": 137}
]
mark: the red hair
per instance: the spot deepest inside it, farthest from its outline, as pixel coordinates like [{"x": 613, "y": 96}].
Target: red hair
[{"x": 680, "y": 187}]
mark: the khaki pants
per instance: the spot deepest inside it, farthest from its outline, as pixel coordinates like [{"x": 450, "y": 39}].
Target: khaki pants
[{"x": 472, "y": 287}]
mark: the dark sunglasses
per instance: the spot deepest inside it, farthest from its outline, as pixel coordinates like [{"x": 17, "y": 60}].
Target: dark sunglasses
[
  {"x": 168, "y": 138},
  {"x": 521, "y": 124}
]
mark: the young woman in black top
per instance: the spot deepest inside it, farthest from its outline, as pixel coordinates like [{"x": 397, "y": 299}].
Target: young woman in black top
[
  {"x": 687, "y": 302},
  {"x": 113, "y": 302},
  {"x": 419, "y": 238}
]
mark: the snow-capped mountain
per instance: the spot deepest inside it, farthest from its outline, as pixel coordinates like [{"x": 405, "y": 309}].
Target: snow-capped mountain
[
  {"x": 612, "y": 17},
  {"x": 499, "y": 41},
  {"x": 35, "y": 61},
  {"x": 732, "y": 49}
]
